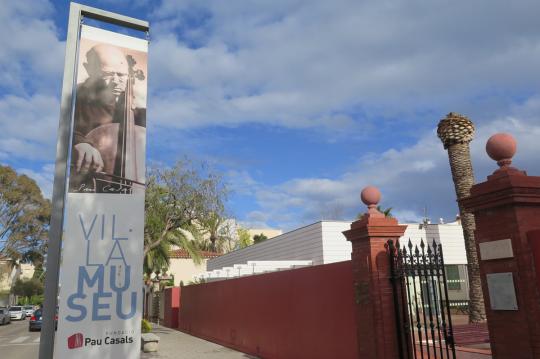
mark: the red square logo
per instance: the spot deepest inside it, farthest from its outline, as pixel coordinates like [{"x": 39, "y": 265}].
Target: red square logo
[{"x": 75, "y": 341}]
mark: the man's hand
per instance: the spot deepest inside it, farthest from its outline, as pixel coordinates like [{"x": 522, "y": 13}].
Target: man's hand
[{"x": 87, "y": 158}]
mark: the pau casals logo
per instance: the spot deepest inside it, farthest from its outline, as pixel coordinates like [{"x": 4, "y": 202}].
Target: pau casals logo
[{"x": 75, "y": 341}]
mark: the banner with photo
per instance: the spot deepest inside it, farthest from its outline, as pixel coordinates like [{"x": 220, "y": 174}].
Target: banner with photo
[{"x": 100, "y": 295}]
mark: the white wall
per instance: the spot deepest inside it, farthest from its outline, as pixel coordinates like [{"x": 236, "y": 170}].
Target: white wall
[
  {"x": 336, "y": 248},
  {"x": 27, "y": 270},
  {"x": 184, "y": 269},
  {"x": 450, "y": 236},
  {"x": 301, "y": 244},
  {"x": 414, "y": 232},
  {"x": 9, "y": 273},
  {"x": 5, "y": 275},
  {"x": 323, "y": 242},
  {"x": 453, "y": 243}
]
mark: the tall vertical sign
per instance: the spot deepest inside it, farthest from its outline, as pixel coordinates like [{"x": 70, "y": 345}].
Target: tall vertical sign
[{"x": 100, "y": 272}]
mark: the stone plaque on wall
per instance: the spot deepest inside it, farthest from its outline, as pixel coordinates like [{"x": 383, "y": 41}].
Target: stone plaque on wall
[
  {"x": 496, "y": 249},
  {"x": 502, "y": 293}
]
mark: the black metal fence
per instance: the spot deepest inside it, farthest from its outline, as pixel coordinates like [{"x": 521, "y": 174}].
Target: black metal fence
[{"x": 422, "y": 310}]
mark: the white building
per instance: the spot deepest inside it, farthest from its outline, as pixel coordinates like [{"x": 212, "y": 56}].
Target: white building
[
  {"x": 10, "y": 272},
  {"x": 320, "y": 243},
  {"x": 183, "y": 268},
  {"x": 323, "y": 242}
]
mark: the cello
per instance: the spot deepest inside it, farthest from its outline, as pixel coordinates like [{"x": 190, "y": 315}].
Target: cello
[{"x": 121, "y": 145}]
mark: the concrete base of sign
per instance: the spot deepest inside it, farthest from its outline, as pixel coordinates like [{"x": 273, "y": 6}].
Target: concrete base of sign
[{"x": 149, "y": 342}]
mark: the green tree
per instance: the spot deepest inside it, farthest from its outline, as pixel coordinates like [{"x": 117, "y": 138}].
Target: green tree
[
  {"x": 178, "y": 202},
  {"x": 258, "y": 238},
  {"x": 244, "y": 238},
  {"x": 24, "y": 215},
  {"x": 387, "y": 212},
  {"x": 216, "y": 233},
  {"x": 27, "y": 289},
  {"x": 36, "y": 258}
]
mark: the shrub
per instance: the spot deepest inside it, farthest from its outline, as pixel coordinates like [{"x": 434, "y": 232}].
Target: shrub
[
  {"x": 168, "y": 283},
  {"x": 146, "y": 327}
]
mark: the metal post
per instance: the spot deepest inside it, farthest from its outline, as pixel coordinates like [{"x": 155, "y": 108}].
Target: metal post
[
  {"x": 395, "y": 278},
  {"x": 46, "y": 344},
  {"x": 76, "y": 12}
]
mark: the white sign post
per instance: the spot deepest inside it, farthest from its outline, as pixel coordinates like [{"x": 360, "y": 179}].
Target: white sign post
[{"x": 98, "y": 210}]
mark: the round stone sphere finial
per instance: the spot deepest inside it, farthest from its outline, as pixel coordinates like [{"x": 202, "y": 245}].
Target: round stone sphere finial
[
  {"x": 501, "y": 147},
  {"x": 371, "y": 196}
]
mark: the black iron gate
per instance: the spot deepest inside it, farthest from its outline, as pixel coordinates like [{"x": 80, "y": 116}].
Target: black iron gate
[{"x": 423, "y": 321}]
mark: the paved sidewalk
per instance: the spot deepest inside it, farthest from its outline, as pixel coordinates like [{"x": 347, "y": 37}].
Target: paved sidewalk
[{"x": 178, "y": 345}]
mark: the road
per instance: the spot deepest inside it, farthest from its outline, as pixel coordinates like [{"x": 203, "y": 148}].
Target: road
[{"x": 16, "y": 342}]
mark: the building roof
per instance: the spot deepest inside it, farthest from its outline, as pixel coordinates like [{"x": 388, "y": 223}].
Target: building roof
[
  {"x": 183, "y": 254},
  {"x": 323, "y": 242}
]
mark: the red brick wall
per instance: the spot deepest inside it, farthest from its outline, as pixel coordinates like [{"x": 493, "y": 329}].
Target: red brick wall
[
  {"x": 171, "y": 302},
  {"x": 302, "y": 313},
  {"x": 507, "y": 206},
  {"x": 375, "y": 315},
  {"x": 534, "y": 242}
]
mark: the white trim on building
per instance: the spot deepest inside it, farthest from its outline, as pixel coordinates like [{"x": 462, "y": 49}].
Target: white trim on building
[
  {"x": 323, "y": 242},
  {"x": 304, "y": 243}
]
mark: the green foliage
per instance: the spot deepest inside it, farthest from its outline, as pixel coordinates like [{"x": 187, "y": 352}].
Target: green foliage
[
  {"x": 4, "y": 294},
  {"x": 30, "y": 290},
  {"x": 258, "y": 238},
  {"x": 33, "y": 300},
  {"x": 24, "y": 215},
  {"x": 217, "y": 234},
  {"x": 196, "y": 281},
  {"x": 179, "y": 202},
  {"x": 39, "y": 273},
  {"x": 146, "y": 327},
  {"x": 244, "y": 239},
  {"x": 157, "y": 259},
  {"x": 168, "y": 283},
  {"x": 387, "y": 212},
  {"x": 37, "y": 259}
]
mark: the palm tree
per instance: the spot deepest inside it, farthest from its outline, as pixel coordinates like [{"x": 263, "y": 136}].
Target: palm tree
[
  {"x": 157, "y": 259},
  {"x": 387, "y": 212},
  {"x": 215, "y": 232},
  {"x": 456, "y": 132}
]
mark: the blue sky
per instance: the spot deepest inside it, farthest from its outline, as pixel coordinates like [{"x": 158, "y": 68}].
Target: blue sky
[{"x": 299, "y": 103}]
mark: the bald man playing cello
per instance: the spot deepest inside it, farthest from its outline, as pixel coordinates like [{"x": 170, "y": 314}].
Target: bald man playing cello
[{"x": 100, "y": 102}]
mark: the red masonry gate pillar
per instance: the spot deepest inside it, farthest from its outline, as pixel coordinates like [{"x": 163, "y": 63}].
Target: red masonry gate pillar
[
  {"x": 375, "y": 316},
  {"x": 507, "y": 210}
]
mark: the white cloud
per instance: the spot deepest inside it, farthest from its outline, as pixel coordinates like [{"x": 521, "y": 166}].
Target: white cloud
[
  {"x": 31, "y": 56},
  {"x": 405, "y": 216},
  {"x": 29, "y": 127},
  {"x": 289, "y": 63},
  {"x": 344, "y": 67},
  {"x": 31, "y": 60},
  {"x": 255, "y": 219},
  {"x": 411, "y": 179}
]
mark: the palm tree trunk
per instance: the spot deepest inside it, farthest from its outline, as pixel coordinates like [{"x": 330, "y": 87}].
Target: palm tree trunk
[{"x": 463, "y": 178}]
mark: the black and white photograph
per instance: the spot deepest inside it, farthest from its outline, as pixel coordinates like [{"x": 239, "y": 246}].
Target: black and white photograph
[{"x": 109, "y": 126}]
